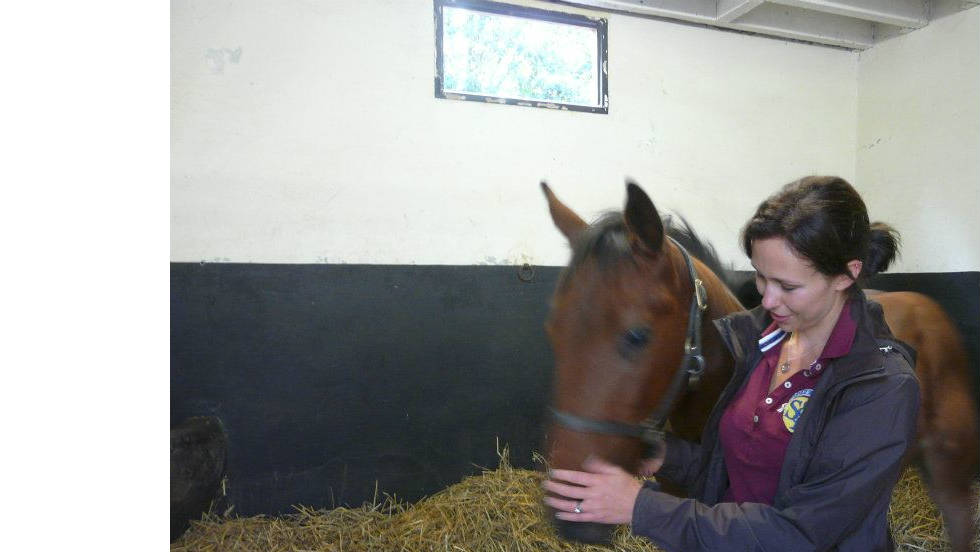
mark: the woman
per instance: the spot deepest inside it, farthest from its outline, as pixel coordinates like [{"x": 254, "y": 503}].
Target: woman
[{"x": 805, "y": 444}]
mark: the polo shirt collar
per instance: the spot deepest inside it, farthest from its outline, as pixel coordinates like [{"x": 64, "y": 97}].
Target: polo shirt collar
[{"x": 838, "y": 344}]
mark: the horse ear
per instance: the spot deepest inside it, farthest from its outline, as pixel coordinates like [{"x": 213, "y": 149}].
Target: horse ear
[
  {"x": 644, "y": 224},
  {"x": 565, "y": 219}
]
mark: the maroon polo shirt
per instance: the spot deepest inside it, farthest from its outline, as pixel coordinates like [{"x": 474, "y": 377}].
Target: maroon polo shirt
[{"x": 756, "y": 427}]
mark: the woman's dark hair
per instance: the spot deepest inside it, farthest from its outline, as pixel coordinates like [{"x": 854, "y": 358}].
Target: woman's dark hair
[{"x": 824, "y": 220}]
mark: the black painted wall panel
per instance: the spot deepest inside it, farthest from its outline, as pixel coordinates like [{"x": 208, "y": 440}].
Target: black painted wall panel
[{"x": 330, "y": 378}]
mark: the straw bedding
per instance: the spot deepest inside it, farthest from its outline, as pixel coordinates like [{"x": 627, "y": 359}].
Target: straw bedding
[{"x": 499, "y": 510}]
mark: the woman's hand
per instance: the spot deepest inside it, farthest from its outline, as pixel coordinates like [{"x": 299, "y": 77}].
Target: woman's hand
[{"x": 604, "y": 493}]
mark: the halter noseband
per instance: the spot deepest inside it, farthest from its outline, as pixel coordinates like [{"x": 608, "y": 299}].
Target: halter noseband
[{"x": 687, "y": 377}]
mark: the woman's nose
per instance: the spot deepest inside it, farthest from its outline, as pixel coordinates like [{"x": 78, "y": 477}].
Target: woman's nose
[{"x": 770, "y": 298}]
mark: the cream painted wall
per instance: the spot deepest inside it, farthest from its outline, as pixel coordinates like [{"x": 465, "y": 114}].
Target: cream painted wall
[
  {"x": 307, "y": 131},
  {"x": 919, "y": 141}
]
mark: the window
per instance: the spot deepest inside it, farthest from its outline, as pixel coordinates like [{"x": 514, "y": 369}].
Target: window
[{"x": 499, "y": 53}]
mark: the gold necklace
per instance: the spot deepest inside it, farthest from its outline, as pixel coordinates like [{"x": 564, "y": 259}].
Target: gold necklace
[{"x": 784, "y": 366}]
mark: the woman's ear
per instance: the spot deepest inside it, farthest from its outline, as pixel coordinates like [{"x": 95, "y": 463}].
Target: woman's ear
[{"x": 854, "y": 269}]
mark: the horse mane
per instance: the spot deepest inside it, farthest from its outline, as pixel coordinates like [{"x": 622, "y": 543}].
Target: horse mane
[
  {"x": 702, "y": 250},
  {"x": 606, "y": 241}
]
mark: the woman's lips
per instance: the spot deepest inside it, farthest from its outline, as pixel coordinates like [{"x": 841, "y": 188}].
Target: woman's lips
[{"x": 778, "y": 317}]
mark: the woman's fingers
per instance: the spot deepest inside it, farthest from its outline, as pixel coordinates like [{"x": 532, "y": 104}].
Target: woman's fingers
[
  {"x": 572, "y": 476},
  {"x": 570, "y": 491},
  {"x": 565, "y": 509},
  {"x": 584, "y": 516},
  {"x": 561, "y": 504}
]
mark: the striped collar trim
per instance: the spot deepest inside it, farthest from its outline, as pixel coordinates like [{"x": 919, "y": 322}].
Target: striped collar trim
[{"x": 771, "y": 337}]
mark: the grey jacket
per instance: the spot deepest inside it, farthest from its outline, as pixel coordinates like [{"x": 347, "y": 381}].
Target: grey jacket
[{"x": 841, "y": 462}]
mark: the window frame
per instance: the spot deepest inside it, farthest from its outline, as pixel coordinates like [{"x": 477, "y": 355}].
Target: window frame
[{"x": 525, "y": 12}]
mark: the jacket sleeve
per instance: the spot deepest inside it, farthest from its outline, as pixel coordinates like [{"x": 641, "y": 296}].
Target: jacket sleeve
[
  {"x": 857, "y": 459},
  {"x": 681, "y": 462}
]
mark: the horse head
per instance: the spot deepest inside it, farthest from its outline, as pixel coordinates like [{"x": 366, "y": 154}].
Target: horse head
[{"x": 618, "y": 326}]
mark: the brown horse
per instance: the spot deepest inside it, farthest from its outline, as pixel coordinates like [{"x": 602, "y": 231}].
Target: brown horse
[{"x": 627, "y": 327}]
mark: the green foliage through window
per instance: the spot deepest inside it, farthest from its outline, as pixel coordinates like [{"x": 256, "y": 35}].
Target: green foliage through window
[{"x": 510, "y": 54}]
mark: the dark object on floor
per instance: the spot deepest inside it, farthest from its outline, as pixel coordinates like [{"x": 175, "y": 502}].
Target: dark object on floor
[{"x": 198, "y": 453}]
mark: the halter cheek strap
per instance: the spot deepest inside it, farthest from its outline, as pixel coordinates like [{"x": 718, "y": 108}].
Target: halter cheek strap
[
  {"x": 692, "y": 344},
  {"x": 687, "y": 377}
]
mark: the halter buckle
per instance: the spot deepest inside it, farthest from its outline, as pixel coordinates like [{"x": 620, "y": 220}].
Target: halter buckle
[
  {"x": 652, "y": 435},
  {"x": 694, "y": 374},
  {"x": 701, "y": 294}
]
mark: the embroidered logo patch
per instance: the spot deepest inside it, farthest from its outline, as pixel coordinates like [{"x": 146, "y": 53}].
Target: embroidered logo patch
[{"x": 794, "y": 408}]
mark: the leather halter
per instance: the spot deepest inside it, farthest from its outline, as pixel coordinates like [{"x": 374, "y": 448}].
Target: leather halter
[{"x": 687, "y": 377}]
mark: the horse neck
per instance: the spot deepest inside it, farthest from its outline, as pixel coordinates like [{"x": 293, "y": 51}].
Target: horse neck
[
  {"x": 692, "y": 410},
  {"x": 721, "y": 300}
]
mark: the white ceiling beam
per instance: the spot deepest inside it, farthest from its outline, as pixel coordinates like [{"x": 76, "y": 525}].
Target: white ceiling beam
[
  {"x": 730, "y": 10},
  {"x": 855, "y": 24},
  {"x": 901, "y": 13},
  {"x": 694, "y": 11},
  {"x": 823, "y": 28},
  {"x": 942, "y": 8}
]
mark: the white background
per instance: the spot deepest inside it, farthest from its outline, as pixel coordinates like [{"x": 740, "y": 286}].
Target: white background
[{"x": 84, "y": 232}]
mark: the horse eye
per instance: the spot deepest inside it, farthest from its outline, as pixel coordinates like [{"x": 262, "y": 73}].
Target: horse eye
[
  {"x": 632, "y": 341},
  {"x": 637, "y": 337}
]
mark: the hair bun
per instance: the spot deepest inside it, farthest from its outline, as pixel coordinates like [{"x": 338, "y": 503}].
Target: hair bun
[{"x": 882, "y": 248}]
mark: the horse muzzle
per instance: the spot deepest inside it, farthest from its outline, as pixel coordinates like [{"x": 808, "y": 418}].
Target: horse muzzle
[{"x": 584, "y": 532}]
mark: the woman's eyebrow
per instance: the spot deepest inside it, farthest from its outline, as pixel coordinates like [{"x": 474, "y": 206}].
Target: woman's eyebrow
[{"x": 779, "y": 280}]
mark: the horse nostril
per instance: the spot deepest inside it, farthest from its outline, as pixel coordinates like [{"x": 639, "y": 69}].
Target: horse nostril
[{"x": 585, "y": 532}]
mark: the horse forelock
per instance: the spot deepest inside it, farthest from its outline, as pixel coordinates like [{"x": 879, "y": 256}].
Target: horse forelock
[{"x": 606, "y": 244}]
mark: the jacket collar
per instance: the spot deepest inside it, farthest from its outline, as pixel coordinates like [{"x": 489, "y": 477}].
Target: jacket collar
[{"x": 747, "y": 327}]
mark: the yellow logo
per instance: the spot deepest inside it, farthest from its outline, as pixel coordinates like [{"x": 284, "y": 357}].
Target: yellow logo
[{"x": 793, "y": 409}]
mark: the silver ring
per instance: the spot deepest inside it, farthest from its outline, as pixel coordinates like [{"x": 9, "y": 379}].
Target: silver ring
[{"x": 578, "y": 507}]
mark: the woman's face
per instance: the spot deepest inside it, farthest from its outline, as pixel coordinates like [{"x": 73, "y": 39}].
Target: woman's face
[{"x": 795, "y": 294}]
